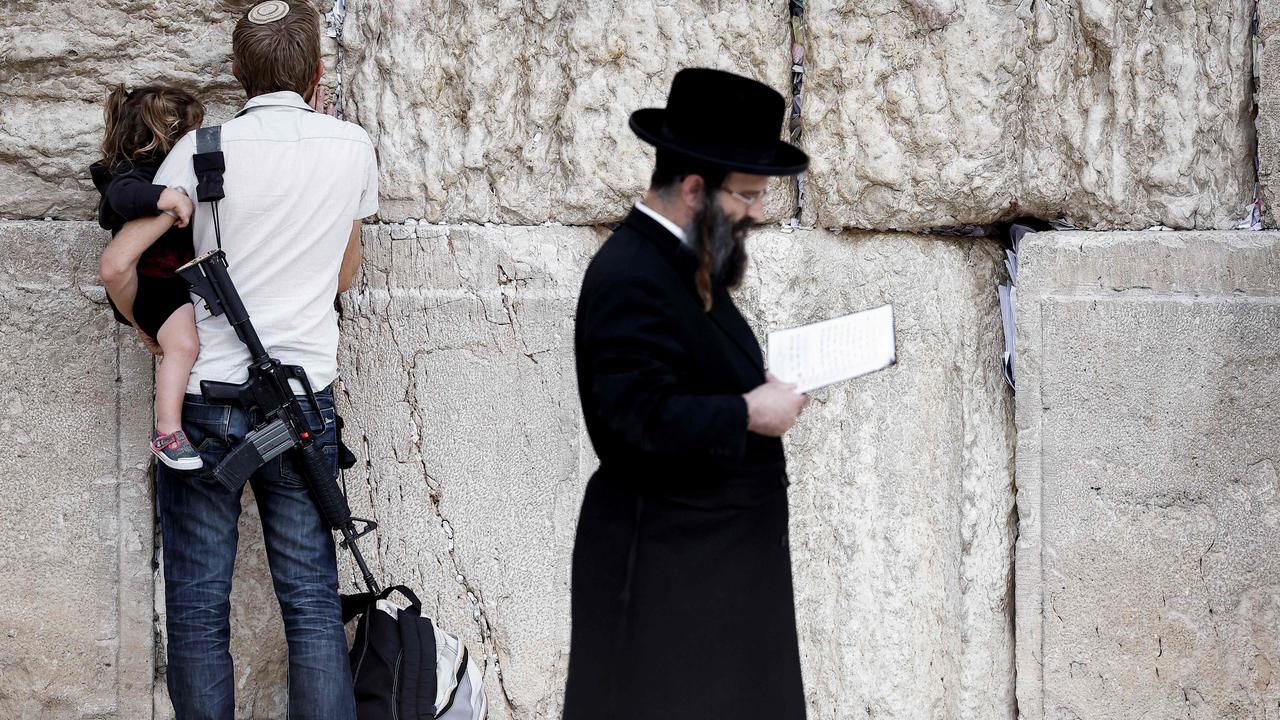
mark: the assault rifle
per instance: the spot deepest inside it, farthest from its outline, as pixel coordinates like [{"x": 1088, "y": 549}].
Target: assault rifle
[{"x": 267, "y": 397}]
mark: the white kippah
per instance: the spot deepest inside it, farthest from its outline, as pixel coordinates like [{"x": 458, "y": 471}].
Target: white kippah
[{"x": 268, "y": 12}]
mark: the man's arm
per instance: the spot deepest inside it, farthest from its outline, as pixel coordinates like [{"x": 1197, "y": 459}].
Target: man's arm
[
  {"x": 630, "y": 353},
  {"x": 118, "y": 266},
  {"x": 350, "y": 259}
]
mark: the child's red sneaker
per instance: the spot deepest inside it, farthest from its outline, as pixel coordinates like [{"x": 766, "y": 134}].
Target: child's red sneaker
[{"x": 175, "y": 451}]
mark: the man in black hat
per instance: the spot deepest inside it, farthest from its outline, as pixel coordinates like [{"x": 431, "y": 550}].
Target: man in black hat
[{"x": 682, "y": 599}]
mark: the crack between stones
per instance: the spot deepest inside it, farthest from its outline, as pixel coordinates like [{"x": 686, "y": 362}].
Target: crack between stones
[
  {"x": 996, "y": 229},
  {"x": 475, "y": 595},
  {"x": 1254, "y": 220},
  {"x": 336, "y": 18},
  {"x": 796, "y": 55}
]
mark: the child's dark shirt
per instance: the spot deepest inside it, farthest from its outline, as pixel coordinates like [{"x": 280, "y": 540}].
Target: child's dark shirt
[{"x": 127, "y": 194}]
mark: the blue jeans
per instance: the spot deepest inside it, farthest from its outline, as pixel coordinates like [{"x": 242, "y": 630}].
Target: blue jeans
[{"x": 198, "y": 518}]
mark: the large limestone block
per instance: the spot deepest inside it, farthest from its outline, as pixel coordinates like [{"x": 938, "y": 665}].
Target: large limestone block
[
  {"x": 75, "y": 558},
  {"x": 910, "y": 111},
  {"x": 923, "y": 113},
  {"x": 1147, "y": 475},
  {"x": 58, "y": 61},
  {"x": 461, "y": 402},
  {"x": 517, "y": 112},
  {"x": 902, "y": 487},
  {"x": 1133, "y": 120}
]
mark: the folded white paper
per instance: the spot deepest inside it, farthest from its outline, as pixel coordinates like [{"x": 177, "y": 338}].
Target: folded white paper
[{"x": 813, "y": 356}]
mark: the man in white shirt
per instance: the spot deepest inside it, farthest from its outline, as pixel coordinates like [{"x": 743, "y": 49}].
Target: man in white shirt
[{"x": 298, "y": 184}]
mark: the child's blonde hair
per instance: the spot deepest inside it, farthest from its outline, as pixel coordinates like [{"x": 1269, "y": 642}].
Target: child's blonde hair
[{"x": 147, "y": 121}]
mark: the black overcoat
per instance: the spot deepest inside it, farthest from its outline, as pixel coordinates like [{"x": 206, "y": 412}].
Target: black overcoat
[{"x": 682, "y": 599}]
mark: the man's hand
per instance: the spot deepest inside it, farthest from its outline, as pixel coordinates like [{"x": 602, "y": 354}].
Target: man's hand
[
  {"x": 773, "y": 407},
  {"x": 175, "y": 203}
]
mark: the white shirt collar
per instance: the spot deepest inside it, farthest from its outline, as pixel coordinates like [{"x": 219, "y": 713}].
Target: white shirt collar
[
  {"x": 664, "y": 222},
  {"x": 285, "y": 98}
]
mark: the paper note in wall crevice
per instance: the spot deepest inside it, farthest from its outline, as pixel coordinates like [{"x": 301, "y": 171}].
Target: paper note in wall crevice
[{"x": 817, "y": 355}]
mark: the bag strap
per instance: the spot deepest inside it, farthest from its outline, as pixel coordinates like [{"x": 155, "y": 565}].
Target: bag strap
[
  {"x": 209, "y": 165},
  {"x": 414, "y": 603},
  {"x": 417, "y": 696},
  {"x": 354, "y": 604}
]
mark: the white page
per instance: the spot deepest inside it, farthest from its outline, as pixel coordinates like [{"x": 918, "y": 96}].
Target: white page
[
  {"x": 813, "y": 356},
  {"x": 1008, "y": 306}
]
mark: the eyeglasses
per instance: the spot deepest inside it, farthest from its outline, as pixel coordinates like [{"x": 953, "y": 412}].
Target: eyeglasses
[{"x": 748, "y": 200}]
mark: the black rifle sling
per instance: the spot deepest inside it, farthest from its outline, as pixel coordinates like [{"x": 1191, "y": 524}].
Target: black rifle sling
[{"x": 209, "y": 166}]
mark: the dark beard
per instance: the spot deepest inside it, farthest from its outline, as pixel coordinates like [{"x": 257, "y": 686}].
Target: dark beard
[{"x": 724, "y": 241}]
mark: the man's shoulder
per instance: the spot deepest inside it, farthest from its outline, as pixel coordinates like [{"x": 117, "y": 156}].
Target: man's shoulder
[
  {"x": 307, "y": 125},
  {"x": 186, "y": 146},
  {"x": 627, "y": 258},
  {"x": 176, "y": 168},
  {"x": 329, "y": 126}
]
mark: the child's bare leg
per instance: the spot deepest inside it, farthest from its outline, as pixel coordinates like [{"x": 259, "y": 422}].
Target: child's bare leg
[{"x": 178, "y": 339}]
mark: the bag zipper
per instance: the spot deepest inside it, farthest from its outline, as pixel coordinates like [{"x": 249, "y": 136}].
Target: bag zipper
[{"x": 395, "y": 683}]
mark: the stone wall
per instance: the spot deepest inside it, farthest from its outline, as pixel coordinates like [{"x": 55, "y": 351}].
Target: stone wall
[
  {"x": 922, "y": 113},
  {"x": 76, "y": 633},
  {"x": 458, "y": 386},
  {"x": 901, "y": 525},
  {"x": 458, "y": 370},
  {"x": 1147, "y": 475}
]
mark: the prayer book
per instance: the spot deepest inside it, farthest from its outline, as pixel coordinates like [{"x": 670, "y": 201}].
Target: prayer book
[{"x": 817, "y": 355}]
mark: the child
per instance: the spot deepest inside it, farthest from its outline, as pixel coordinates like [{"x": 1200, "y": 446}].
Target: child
[{"x": 141, "y": 127}]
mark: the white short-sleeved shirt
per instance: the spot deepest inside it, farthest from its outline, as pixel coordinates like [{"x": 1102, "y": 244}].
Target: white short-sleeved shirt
[{"x": 295, "y": 181}]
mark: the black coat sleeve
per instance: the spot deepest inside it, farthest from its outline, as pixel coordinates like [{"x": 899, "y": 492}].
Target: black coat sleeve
[
  {"x": 632, "y": 353},
  {"x": 133, "y": 196}
]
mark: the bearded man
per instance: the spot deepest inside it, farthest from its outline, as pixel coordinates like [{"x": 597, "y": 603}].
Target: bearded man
[{"x": 682, "y": 599}]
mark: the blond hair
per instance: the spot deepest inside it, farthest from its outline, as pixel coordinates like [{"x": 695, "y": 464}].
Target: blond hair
[
  {"x": 279, "y": 55},
  {"x": 146, "y": 122}
]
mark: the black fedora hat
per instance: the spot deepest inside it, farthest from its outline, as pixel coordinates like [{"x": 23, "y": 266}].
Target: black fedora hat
[{"x": 724, "y": 119}]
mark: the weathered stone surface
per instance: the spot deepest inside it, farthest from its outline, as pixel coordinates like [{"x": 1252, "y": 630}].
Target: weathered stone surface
[
  {"x": 75, "y": 560},
  {"x": 58, "y": 61},
  {"x": 517, "y": 112},
  {"x": 459, "y": 390},
  {"x": 460, "y": 395},
  {"x": 1147, "y": 475},
  {"x": 1133, "y": 121},
  {"x": 902, "y": 487},
  {"x": 926, "y": 113},
  {"x": 896, "y": 140},
  {"x": 461, "y": 402}
]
